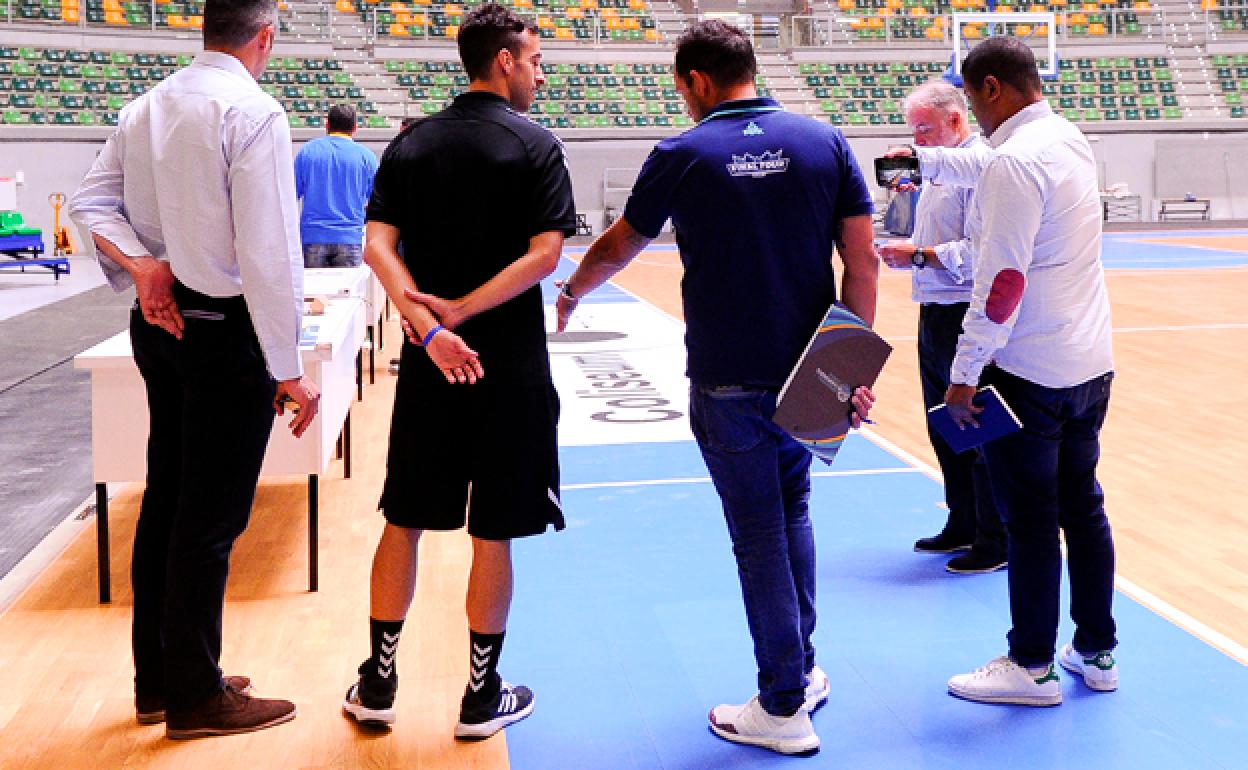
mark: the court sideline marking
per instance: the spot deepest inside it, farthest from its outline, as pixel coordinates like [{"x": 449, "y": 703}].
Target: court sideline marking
[{"x": 1145, "y": 598}]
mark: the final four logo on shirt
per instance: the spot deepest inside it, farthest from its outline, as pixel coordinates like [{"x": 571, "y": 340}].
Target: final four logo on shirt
[
  {"x": 758, "y": 165},
  {"x": 752, "y": 130}
]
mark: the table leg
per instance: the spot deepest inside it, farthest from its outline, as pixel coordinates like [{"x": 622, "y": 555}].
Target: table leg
[
  {"x": 101, "y": 541},
  {"x": 381, "y": 334},
  {"x": 359, "y": 376},
  {"x": 346, "y": 446},
  {"x": 314, "y": 571},
  {"x": 372, "y": 357}
]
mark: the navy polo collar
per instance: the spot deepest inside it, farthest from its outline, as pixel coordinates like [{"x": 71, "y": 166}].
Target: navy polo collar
[{"x": 743, "y": 106}]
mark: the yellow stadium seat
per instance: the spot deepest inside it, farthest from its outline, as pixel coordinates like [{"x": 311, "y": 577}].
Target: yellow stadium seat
[
  {"x": 918, "y": 10},
  {"x": 1096, "y": 29},
  {"x": 653, "y": 35},
  {"x": 637, "y": 5},
  {"x": 589, "y": 3},
  {"x": 195, "y": 22},
  {"x": 933, "y": 32},
  {"x": 452, "y": 30},
  {"x": 563, "y": 33},
  {"x": 545, "y": 22},
  {"x": 398, "y": 30},
  {"x": 70, "y": 15},
  {"x": 577, "y": 13}
]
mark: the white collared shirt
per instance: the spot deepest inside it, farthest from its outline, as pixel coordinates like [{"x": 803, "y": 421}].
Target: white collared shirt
[
  {"x": 940, "y": 222},
  {"x": 1039, "y": 224},
  {"x": 200, "y": 172}
]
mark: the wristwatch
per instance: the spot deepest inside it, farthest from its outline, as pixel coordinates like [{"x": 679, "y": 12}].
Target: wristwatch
[
  {"x": 566, "y": 291},
  {"x": 919, "y": 257}
]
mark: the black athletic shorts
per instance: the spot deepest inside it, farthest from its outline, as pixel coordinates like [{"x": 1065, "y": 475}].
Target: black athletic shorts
[{"x": 486, "y": 453}]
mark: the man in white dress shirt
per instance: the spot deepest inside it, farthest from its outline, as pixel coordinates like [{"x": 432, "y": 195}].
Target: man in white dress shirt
[
  {"x": 192, "y": 200},
  {"x": 1038, "y": 329},
  {"x": 939, "y": 256}
]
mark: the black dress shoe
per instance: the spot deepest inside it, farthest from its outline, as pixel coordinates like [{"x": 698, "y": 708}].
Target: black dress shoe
[
  {"x": 975, "y": 563},
  {"x": 942, "y": 543}
]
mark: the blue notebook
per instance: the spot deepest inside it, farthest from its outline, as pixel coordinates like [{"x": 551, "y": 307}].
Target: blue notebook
[{"x": 995, "y": 421}]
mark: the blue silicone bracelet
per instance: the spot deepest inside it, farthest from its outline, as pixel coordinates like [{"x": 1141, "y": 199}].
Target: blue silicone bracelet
[{"x": 425, "y": 342}]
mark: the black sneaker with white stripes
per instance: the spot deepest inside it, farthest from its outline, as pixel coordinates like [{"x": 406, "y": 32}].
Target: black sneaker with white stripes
[
  {"x": 371, "y": 699},
  {"x": 479, "y": 720}
]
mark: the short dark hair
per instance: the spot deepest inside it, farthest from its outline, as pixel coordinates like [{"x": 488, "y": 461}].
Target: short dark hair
[
  {"x": 719, "y": 50},
  {"x": 341, "y": 119},
  {"x": 1006, "y": 58},
  {"x": 233, "y": 23},
  {"x": 486, "y": 31}
]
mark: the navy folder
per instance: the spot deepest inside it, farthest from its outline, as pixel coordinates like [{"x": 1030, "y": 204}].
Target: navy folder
[{"x": 995, "y": 421}]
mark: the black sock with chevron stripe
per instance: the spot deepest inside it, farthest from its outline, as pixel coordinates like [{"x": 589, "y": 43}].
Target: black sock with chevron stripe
[
  {"x": 483, "y": 653},
  {"x": 385, "y": 640}
]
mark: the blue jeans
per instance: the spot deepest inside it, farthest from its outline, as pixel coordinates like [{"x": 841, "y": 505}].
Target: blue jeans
[
  {"x": 332, "y": 254},
  {"x": 763, "y": 480},
  {"x": 1044, "y": 477}
]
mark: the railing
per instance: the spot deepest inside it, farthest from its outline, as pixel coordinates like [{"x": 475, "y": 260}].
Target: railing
[
  {"x": 1213, "y": 21},
  {"x": 817, "y": 31},
  {"x": 82, "y": 22},
  {"x": 600, "y": 31}
]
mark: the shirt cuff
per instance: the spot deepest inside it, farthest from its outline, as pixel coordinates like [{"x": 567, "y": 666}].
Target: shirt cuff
[
  {"x": 965, "y": 370},
  {"x": 951, "y": 259},
  {"x": 284, "y": 366}
]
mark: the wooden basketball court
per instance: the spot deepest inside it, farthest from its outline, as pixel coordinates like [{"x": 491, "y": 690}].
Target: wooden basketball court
[{"x": 1172, "y": 469}]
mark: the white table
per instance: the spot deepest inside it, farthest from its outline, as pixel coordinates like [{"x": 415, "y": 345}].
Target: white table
[
  {"x": 360, "y": 282},
  {"x": 329, "y": 346}
]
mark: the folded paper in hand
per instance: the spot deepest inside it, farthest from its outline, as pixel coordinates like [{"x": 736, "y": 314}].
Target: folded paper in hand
[{"x": 814, "y": 405}]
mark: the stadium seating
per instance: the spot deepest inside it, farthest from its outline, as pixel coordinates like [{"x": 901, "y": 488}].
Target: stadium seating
[
  {"x": 621, "y": 21},
  {"x": 927, "y": 20},
  {"x": 89, "y": 87},
  {"x": 865, "y": 93},
  {"x": 576, "y": 95},
  {"x": 1086, "y": 90}
]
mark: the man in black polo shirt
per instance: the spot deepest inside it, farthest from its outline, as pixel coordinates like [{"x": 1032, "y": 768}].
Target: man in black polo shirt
[
  {"x": 760, "y": 198},
  {"x": 480, "y": 199}
]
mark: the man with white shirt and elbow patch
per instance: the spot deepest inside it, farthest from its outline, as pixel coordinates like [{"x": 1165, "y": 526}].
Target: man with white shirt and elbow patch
[
  {"x": 939, "y": 254},
  {"x": 1038, "y": 329},
  {"x": 192, "y": 200}
]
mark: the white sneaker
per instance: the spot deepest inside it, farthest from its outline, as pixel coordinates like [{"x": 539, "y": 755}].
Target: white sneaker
[
  {"x": 817, "y": 689},
  {"x": 1099, "y": 670},
  {"x": 751, "y": 724},
  {"x": 1004, "y": 681}
]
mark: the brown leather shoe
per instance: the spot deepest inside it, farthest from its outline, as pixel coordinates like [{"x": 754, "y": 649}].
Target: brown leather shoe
[
  {"x": 227, "y": 713},
  {"x": 150, "y": 709}
]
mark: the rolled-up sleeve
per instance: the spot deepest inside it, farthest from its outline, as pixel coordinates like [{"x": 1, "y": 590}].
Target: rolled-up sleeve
[
  {"x": 98, "y": 206},
  {"x": 266, "y": 239},
  {"x": 1011, "y": 204}
]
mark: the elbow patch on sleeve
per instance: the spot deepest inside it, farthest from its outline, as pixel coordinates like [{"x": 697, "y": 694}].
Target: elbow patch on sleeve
[{"x": 1004, "y": 296}]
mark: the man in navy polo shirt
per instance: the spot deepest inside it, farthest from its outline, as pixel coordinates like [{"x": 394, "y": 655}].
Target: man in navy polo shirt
[{"x": 759, "y": 198}]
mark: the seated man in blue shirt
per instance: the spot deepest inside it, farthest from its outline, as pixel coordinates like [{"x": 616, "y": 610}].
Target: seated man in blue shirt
[
  {"x": 334, "y": 177},
  {"x": 760, "y": 199}
]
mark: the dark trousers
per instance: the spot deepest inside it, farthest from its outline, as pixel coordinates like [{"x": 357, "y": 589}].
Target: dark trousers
[
  {"x": 210, "y": 400},
  {"x": 1045, "y": 480},
  {"x": 973, "y": 515},
  {"x": 763, "y": 480}
]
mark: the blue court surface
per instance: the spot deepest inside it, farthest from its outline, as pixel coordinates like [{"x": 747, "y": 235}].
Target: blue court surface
[
  {"x": 1154, "y": 251},
  {"x": 629, "y": 627}
]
